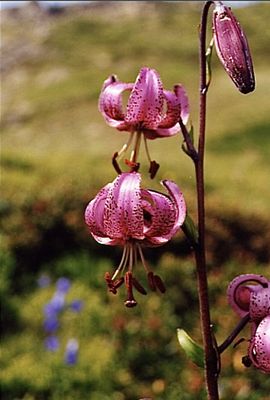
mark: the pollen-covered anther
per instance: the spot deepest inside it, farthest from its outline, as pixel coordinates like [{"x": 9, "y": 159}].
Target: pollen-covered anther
[
  {"x": 134, "y": 166},
  {"x": 113, "y": 285},
  {"x": 155, "y": 282},
  {"x": 159, "y": 284},
  {"x": 109, "y": 282},
  {"x": 130, "y": 301},
  {"x": 153, "y": 169},
  {"x": 138, "y": 286}
]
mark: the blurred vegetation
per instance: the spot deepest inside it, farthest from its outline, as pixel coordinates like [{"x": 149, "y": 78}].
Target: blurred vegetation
[{"x": 56, "y": 152}]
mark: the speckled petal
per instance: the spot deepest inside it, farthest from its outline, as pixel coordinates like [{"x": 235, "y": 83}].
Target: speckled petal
[
  {"x": 162, "y": 215},
  {"x": 173, "y": 111},
  {"x": 94, "y": 215},
  {"x": 235, "y": 292},
  {"x": 110, "y": 102},
  {"x": 145, "y": 103},
  {"x": 259, "y": 349},
  {"x": 167, "y": 215},
  {"x": 260, "y": 304},
  {"x": 123, "y": 214}
]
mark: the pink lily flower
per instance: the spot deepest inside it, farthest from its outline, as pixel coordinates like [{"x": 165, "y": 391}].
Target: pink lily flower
[
  {"x": 124, "y": 214},
  {"x": 145, "y": 107},
  {"x": 151, "y": 111},
  {"x": 249, "y": 294}
]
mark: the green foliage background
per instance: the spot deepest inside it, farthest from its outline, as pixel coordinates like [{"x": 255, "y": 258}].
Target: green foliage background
[{"x": 56, "y": 152}]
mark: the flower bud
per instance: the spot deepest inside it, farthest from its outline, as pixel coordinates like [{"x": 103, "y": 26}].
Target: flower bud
[{"x": 232, "y": 48}]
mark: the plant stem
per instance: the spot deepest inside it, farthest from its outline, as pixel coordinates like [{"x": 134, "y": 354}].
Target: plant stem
[
  {"x": 242, "y": 323},
  {"x": 211, "y": 365}
]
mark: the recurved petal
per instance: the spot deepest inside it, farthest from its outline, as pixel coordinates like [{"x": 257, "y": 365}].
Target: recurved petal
[
  {"x": 110, "y": 102},
  {"x": 94, "y": 212},
  {"x": 181, "y": 93},
  {"x": 145, "y": 103},
  {"x": 123, "y": 214},
  {"x": 167, "y": 214},
  {"x": 259, "y": 349},
  {"x": 173, "y": 110},
  {"x": 159, "y": 217},
  {"x": 239, "y": 291},
  {"x": 161, "y": 133},
  {"x": 260, "y": 304}
]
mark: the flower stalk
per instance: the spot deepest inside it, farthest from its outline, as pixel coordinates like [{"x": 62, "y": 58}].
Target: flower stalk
[{"x": 211, "y": 359}]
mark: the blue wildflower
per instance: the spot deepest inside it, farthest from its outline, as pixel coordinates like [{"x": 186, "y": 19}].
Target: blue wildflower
[
  {"x": 76, "y": 305},
  {"x": 51, "y": 323},
  {"x": 71, "y": 353},
  {"x": 52, "y": 343},
  {"x": 63, "y": 284}
]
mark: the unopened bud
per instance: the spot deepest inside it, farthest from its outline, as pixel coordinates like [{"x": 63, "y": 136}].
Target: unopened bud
[{"x": 232, "y": 48}]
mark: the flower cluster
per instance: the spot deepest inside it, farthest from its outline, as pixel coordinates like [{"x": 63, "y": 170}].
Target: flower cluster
[
  {"x": 123, "y": 213},
  {"x": 52, "y": 311},
  {"x": 249, "y": 294}
]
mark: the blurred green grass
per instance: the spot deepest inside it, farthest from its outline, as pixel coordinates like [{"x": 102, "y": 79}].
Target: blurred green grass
[{"x": 56, "y": 152}]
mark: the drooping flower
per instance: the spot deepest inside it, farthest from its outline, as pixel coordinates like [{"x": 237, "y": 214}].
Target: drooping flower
[
  {"x": 151, "y": 110},
  {"x": 145, "y": 107},
  {"x": 249, "y": 295},
  {"x": 232, "y": 48},
  {"x": 124, "y": 214}
]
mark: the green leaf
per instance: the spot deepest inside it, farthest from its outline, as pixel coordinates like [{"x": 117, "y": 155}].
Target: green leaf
[
  {"x": 193, "y": 351},
  {"x": 190, "y": 230}
]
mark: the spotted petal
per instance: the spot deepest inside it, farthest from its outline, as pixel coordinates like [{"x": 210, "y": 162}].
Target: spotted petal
[
  {"x": 167, "y": 213},
  {"x": 145, "y": 103},
  {"x": 123, "y": 214},
  {"x": 94, "y": 215},
  {"x": 260, "y": 304},
  {"x": 259, "y": 349}
]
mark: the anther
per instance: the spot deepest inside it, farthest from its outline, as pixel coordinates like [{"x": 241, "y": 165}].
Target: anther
[
  {"x": 115, "y": 163},
  {"x": 159, "y": 284},
  {"x": 118, "y": 282},
  {"x": 110, "y": 283},
  {"x": 134, "y": 166},
  {"x": 138, "y": 286},
  {"x": 130, "y": 302},
  {"x": 153, "y": 169}
]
